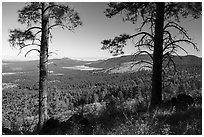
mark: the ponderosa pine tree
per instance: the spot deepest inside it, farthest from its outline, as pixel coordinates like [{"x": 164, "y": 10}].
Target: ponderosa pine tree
[
  {"x": 158, "y": 36},
  {"x": 40, "y": 18}
]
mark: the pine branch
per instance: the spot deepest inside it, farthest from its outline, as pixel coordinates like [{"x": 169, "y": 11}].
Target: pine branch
[{"x": 32, "y": 50}]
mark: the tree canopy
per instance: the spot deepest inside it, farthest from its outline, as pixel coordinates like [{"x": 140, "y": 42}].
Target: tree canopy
[{"x": 59, "y": 15}]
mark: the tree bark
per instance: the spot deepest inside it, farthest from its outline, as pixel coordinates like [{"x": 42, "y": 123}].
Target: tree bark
[
  {"x": 156, "y": 93},
  {"x": 43, "y": 75}
]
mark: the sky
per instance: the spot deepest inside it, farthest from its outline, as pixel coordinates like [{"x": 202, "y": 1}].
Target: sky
[{"x": 85, "y": 41}]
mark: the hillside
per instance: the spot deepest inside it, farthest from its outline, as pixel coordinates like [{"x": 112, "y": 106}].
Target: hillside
[
  {"x": 117, "y": 61},
  {"x": 126, "y": 63},
  {"x": 189, "y": 60}
]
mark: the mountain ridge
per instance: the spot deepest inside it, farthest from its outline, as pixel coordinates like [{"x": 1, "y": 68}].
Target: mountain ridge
[
  {"x": 116, "y": 62},
  {"x": 182, "y": 60}
]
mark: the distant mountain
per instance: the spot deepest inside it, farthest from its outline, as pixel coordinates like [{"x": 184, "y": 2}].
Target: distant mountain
[
  {"x": 25, "y": 66},
  {"x": 66, "y": 62},
  {"x": 117, "y": 61},
  {"x": 112, "y": 65},
  {"x": 126, "y": 63},
  {"x": 189, "y": 60}
]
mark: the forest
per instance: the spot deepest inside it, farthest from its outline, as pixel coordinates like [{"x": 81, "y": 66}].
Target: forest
[{"x": 108, "y": 101}]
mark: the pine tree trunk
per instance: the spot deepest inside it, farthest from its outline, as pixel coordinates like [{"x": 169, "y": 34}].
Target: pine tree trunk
[
  {"x": 43, "y": 106},
  {"x": 156, "y": 94}
]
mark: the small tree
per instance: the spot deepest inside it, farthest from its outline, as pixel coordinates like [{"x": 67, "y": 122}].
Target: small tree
[
  {"x": 157, "y": 36},
  {"x": 40, "y": 18}
]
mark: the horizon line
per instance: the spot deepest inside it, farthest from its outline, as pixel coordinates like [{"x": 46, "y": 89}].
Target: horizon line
[{"x": 76, "y": 58}]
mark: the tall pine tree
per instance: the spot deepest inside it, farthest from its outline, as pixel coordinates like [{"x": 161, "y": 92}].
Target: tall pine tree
[
  {"x": 40, "y": 18},
  {"x": 155, "y": 35}
]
